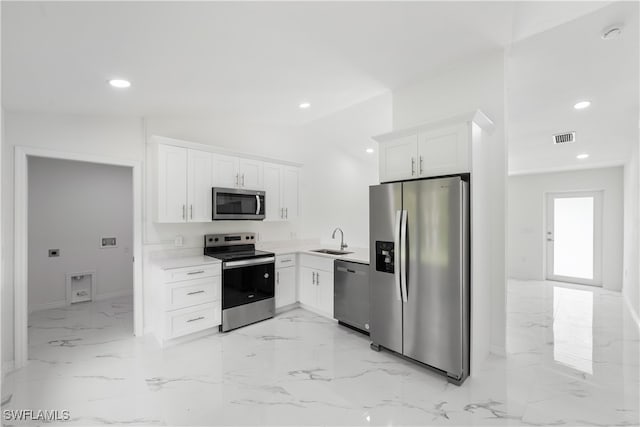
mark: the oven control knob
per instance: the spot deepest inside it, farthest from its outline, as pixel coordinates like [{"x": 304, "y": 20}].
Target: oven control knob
[{"x": 266, "y": 275}]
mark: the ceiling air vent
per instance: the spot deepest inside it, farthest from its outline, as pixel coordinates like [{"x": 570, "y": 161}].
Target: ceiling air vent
[{"x": 564, "y": 138}]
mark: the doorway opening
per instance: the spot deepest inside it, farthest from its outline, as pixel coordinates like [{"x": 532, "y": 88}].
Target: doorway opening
[
  {"x": 574, "y": 237},
  {"x": 83, "y": 280}
]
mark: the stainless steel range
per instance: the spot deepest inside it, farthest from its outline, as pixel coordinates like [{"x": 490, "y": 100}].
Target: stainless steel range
[{"x": 248, "y": 285}]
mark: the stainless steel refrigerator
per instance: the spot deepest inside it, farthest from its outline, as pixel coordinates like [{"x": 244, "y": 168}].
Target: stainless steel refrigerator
[{"x": 419, "y": 272}]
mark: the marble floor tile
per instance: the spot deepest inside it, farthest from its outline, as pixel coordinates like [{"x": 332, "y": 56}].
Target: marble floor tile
[{"x": 572, "y": 360}]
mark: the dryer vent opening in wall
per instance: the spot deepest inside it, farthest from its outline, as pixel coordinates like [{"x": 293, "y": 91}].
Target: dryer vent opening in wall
[{"x": 564, "y": 138}]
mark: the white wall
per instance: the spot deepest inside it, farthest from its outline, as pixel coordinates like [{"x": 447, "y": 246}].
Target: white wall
[
  {"x": 338, "y": 171},
  {"x": 527, "y": 219},
  {"x": 631, "y": 268},
  {"x": 474, "y": 83},
  {"x": 117, "y": 137},
  {"x": 71, "y": 206}
]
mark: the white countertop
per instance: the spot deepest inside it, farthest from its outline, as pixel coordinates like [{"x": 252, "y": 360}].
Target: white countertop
[
  {"x": 185, "y": 261},
  {"x": 360, "y": 255}
]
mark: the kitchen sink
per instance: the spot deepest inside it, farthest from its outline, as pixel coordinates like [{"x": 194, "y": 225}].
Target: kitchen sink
[{"x": 331, "y": 251}]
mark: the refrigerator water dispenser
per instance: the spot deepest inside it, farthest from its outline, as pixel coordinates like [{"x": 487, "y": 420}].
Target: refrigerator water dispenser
[{"x": 384, "y": 257}]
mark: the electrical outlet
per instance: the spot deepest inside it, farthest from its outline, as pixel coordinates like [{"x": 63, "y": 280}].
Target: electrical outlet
[
  {"x": 54, "y": 253},
  {"x": 178, "y": 242},
  {"x": 108, "y": 242}
]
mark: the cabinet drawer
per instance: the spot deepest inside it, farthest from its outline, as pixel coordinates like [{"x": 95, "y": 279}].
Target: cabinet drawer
[
  {"x": 195, "y": 272},
  {"x": 317, "y": 262},
  {"x": 192, "y": 292},
  {"x": 288, "y": 260},
  {"x": 192, "y": 319}
]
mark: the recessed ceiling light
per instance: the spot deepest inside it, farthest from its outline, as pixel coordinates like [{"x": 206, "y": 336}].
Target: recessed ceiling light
[
  {"x": 582, "y": 156},
  {"x": 119, "y": 83},
  {"x": 581, "y": 105},
  {"x": 304, "y": 105},
  {"x": 369, "y": 150}
]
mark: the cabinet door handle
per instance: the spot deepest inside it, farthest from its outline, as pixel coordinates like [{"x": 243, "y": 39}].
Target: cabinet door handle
[
  {"x": 195, "y": 292},
  {"x": 191, "y": 211},
  {"x": 196, "y": 319},
  {"x": 286, "y": 213},
  {"x": 317, "y": 278},
  {"x": 413, "y": 166},
  {"x": 237, "y": 181},
  {"x": 313, "y": 277},
  {"x": 184, "y": 211},
  {"x": 243, "y": 180},
  {"x": 285, "y": 260},
  {"x": 277, "y": 277},
  {"x": 196, "y": 272},
  {"x": 420, "y": 165}
]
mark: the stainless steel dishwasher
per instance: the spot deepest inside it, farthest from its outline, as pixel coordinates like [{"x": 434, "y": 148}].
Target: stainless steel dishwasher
[{"x": 351, "y": 295}]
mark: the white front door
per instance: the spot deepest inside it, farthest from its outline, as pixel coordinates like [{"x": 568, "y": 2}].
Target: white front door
[{"x": 574, "y": 237}]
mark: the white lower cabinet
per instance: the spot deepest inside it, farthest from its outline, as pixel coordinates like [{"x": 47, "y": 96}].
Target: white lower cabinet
[
  {"x": 316, "y": 283},
  {"x": 190, "y": 301},
  {"x": 285, "y": 286}
]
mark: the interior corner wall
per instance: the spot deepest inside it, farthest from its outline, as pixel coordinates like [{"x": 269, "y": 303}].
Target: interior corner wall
[
  {"x": 631, "y": 265},
  {"x": 471, "y": 84},
  {"x": 527, "y": 219},
  {"x": 338, "y": 170},
  {"x": 72, "y": 205},
  {"x": 116, "y": 137}
]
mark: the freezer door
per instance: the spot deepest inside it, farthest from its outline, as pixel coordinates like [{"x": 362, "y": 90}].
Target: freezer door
[
  {"x": 433, "y": 311},
  {"x": 385, "y": 205}
]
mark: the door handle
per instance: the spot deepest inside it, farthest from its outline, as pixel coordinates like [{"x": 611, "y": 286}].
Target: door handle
[
  {"x": 413, "y": 166},
  {"x": 403, "y": 257},
  {"x": 317, "y": 278},
  {"x": 237, "y": 181},
  {"x": 277, "y": 277},
  {"x": 396, "y": 255},
  {"x": 286, "y": 213},
  {"x": 243, "y": 180},
  {"x": 191, "y": 210},
  {"x": 184, "y": 207},
  {"x": 420, "y": 165},
  {"x": 313, "y": 277},
  {"x": 258, "y": 200}
]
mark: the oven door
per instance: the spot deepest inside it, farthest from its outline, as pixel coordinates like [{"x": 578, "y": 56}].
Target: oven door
[
  {"x": 234, "y": 204},
  {"x": 247, "y": 281}
]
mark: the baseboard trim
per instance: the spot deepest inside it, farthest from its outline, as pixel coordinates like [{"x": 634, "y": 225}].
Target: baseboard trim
[
  {"x": 114, "y": 294},
  {"x": 286, "y": 308},
  {"x": 634, "y": 315},
  {"x": 63, "y": 303},
  {"x": 316, "y": 311}
]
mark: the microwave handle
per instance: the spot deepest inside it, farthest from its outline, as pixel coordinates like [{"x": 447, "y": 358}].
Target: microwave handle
[{"x": 258, "y": 208}]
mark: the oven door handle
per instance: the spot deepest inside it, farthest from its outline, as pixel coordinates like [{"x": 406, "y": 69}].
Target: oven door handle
[{"x": 248, "y": 262}]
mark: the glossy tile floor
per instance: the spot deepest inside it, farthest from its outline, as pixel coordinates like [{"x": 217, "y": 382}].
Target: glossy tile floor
[{"x": 572, "y": 360}]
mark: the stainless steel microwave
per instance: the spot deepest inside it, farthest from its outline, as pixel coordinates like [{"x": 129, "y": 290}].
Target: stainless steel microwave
[{"x": 236, "y": 204}]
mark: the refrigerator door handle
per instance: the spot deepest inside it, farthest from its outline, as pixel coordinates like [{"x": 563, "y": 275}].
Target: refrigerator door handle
[
  {"x": 403, "y": 257},
  {"x": 396, "y": 255}
]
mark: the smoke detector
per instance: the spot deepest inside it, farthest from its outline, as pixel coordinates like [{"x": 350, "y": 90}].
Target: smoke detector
[
  {"x": 612, "y": 32},
  {"x": 564, "y": 138}
]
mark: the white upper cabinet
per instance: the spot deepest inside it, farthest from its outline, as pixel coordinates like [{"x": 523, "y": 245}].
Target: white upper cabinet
[
  {"x": 250, "y": 174},
  {"x": 199, "y": 167},
  {"x": 290, "y": 192},
  {"x": 183, "y": 184},
  {"x": 273, "y": 192},
  {"x": 444, "y": 151},
  {"x": 281, "y": 184},
  {"x": 225, "y": 171},
  {"x": 398, "y": 158},
  {"x": 434, "y": 149},
  {"x": 171, "y": 184},
  {"x": 236, "y": 172}
]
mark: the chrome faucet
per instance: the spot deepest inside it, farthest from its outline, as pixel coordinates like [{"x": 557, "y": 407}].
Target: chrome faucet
[{"x": 342, "y": 243}]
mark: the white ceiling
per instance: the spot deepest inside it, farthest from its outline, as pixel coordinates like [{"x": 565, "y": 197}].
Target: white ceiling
[
  {"x": 251, "y": 60},
  {"x": 549, "y": 72}
]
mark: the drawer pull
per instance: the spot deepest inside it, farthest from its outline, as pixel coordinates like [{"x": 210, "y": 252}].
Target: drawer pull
[
  {"x": 195, "y": 292},
  {"x": 195, "y": 272},
  {"x": 285, "y": 260},
  {"x": 196, "y": 319}
]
